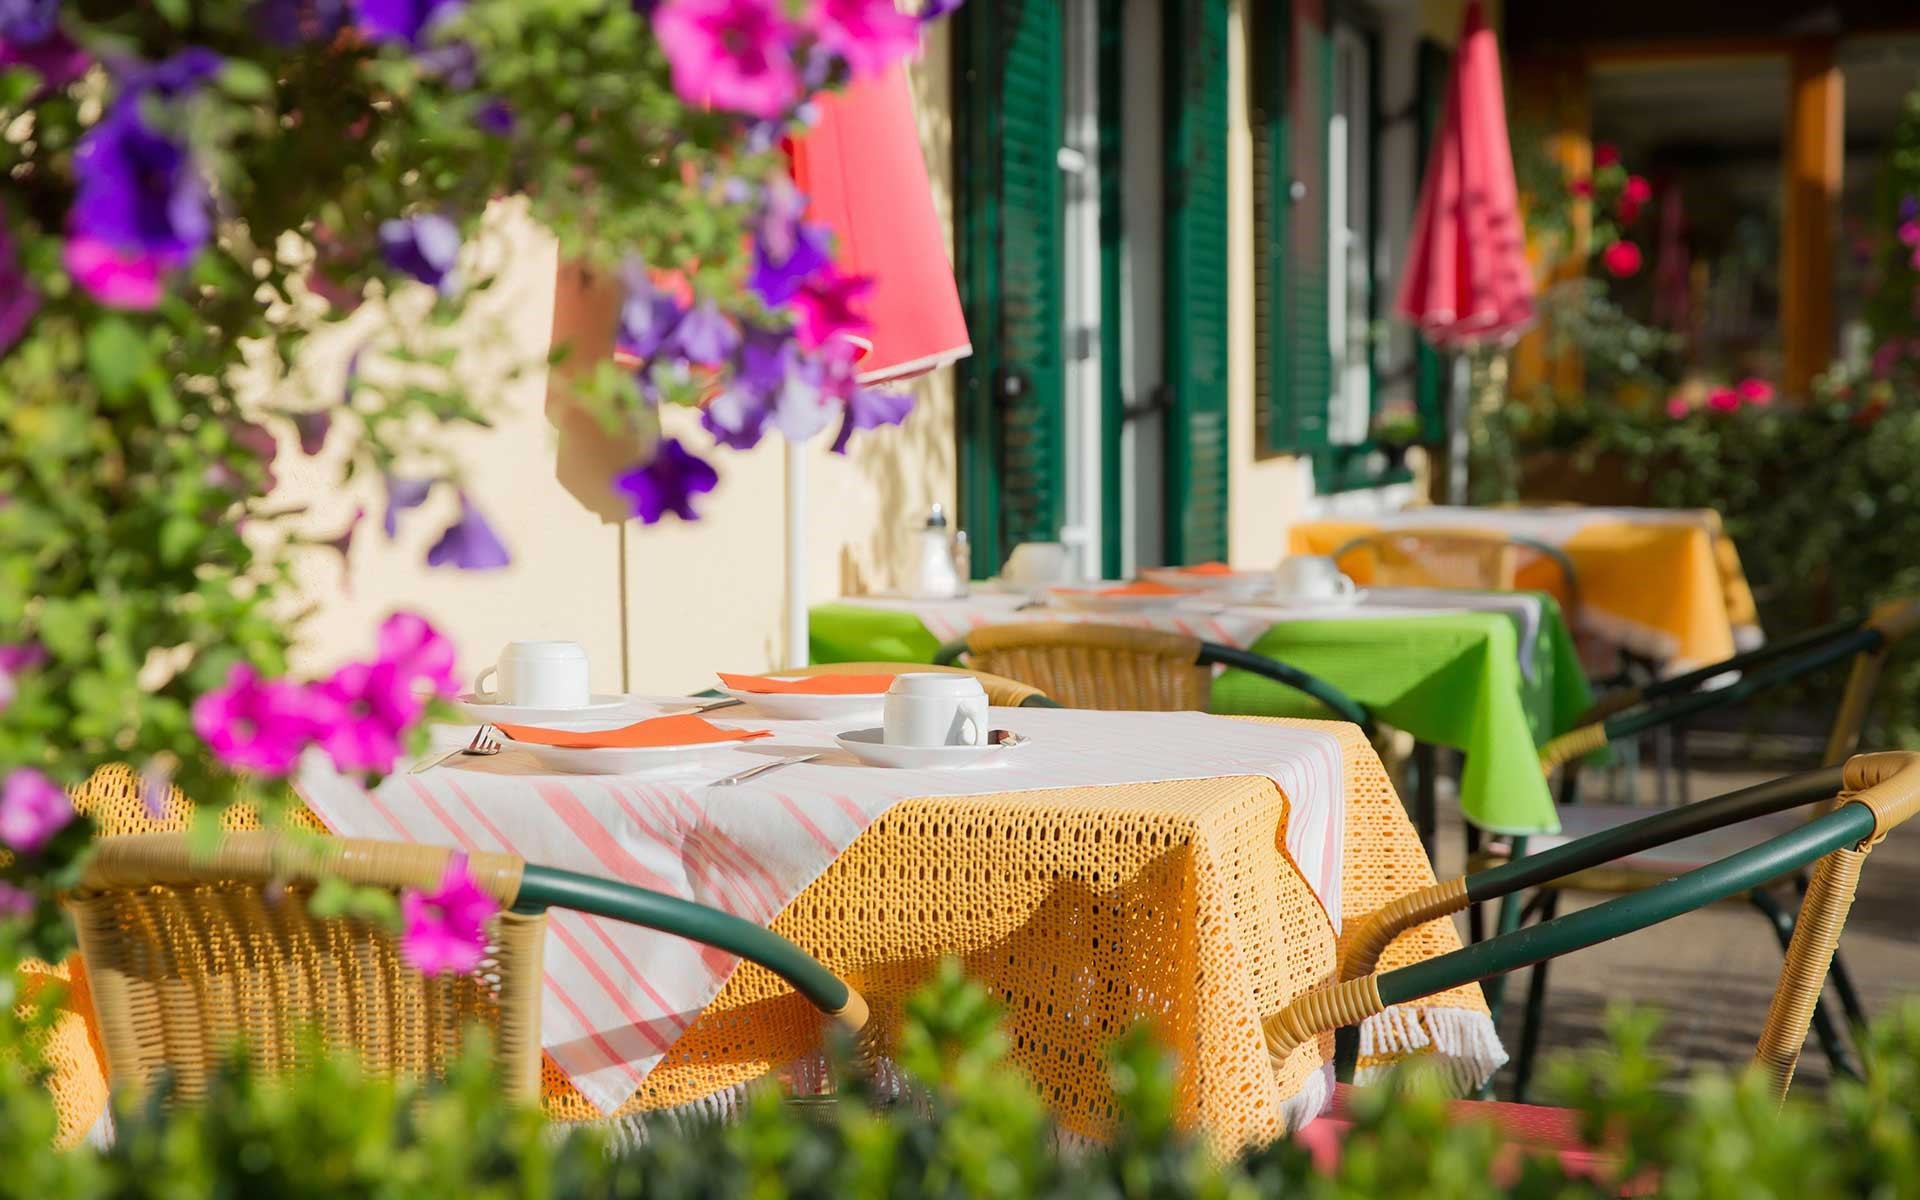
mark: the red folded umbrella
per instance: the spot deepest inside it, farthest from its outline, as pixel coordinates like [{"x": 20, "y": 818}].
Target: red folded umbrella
[{"x": 1467, "y": 280}]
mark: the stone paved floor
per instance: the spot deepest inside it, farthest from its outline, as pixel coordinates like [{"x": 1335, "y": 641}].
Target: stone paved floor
[{"x": 1713, "y": 971}]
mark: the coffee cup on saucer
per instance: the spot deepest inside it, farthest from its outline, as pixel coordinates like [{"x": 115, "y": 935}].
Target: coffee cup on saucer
[
  {"x": 537, "y": 675},
  {"x": 1312, "y": 577},
  {"x": 935, "y": 709}
]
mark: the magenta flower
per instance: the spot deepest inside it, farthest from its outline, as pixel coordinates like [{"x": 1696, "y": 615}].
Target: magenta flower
[
  {"x": 420, "y": 653},
  {"x": 1678, "y": 407},
  {"x": 736, "y": 55},
  {"x": 871, "y": 35},
  {"x": 1909, "y": 231},
  {"x": 1754, "y": 391},
  {"x": 32, "y": 810},
  {"x": 826, "y": 308},
  {"x": 15, "y": 659},
  {"x": 369, "y": 708},
  {"x": 667, "y": 483},
  {"x": 15, "y": 902},
  {"x": 19, "y": 300},
  {"x": 255, "y": 724},
  {"x": 1723, "y": 400},
  {"x": 116, "y": 278},
  {"x": 446, "y": 930},
  {"x": 469, "y": 543}
]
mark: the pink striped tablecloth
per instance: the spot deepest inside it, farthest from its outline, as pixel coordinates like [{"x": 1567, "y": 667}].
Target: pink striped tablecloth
[{"x": 618, "y": 996}]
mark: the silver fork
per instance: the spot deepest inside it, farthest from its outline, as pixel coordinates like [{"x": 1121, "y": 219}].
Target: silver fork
[
  {"x": 486, "y": 741},
  {"x": 763, "y": 768}
]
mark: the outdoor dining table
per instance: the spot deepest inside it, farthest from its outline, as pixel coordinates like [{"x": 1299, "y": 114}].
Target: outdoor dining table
[
  {"x": 1663, "y": 584},
  {"x": 1492, "y": 674},
  {"x": 1181, "y": 869}
]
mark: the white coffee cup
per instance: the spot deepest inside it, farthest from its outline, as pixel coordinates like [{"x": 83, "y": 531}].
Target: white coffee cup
[
  {"x": 537, "y": 675},
  {"x": 935, "y": 709},
  {"x": 1311, "y": 577},
  {"x": 1036, "y": 564}
]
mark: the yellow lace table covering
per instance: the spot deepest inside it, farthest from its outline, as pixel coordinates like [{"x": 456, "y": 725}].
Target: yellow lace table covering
[{"x": 1085, "y": 910}]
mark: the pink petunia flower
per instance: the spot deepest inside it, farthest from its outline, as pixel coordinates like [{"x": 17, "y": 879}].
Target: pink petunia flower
[
  {"x": 1723, "y": 400},
  {"x": 256, "y": 724},
  {"x": 15, "y": 659},
  {"x": 1757, "y": 392},
  {"x": 736, "y": 55},
  {"x": 1621, "y": 259},
  {"x": 826, "y": 308},
  {"x": 32, "y": 810},
  {"x": 14, "y": 901},
  {"x": 871, "y": 35},
  {"x": 1678, "y": 407},
  {"x": 370, "y": 707},
  {"x": 1605, "y": 154},
  {"x": 446, "y": 930},
  {"x": 1909, "y": 231},
  {"x": 116, "y": 278},
  {"x": 421, "y": 653},
  {"x": 1582, "y": 188}
]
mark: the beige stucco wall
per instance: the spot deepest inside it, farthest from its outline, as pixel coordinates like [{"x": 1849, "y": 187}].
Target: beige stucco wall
[{"x": 658, "y": 608}]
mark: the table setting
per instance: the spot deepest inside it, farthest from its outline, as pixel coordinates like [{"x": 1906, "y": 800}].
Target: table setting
[{"x": 885, "y": 821}]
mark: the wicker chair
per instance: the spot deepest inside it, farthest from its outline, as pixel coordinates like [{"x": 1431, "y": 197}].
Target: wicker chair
[
  {"x": 1119, "y": 667},
  {"x": 1458, "y": 558},
  {"x": 189, "y": 952},
  {"x": 1864, "y": 801},
  {"x": 1001, "y": 691}
]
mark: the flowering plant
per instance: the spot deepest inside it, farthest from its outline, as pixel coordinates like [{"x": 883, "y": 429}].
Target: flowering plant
[{"x": 198, "y": 192}]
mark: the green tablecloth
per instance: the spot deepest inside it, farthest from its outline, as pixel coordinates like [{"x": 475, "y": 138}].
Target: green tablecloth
[{"x": 1451, "y": 680}]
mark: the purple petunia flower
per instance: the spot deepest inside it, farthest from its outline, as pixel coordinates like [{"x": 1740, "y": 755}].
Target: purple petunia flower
[
  {"x": 313, "y": 428},
  {"x": 403, "y": 494},
  {"x": 648, "y": 316},
  {"x": 15, "y": 660},
  {"x": 29, "y": 22},
  {"x": 408, "y": 21},
  {"x": 256, "y": 724},
  {"x": 426, "y": 246},
  {"x": 496, "y": 117},
  {"x": 1909, "y": 208},
  {"x": 933, "y": 10},
  {"x": 32, "y": 810},
  {"x": 15, "y": 902},
  {"x": 288, "y": 23},
  {"x": 704, "y": 336},
  {"x": 138, "y": 192},
  {"x": 469, "y": 543},
  {"x": 786, "y": 251},
  {"x": 735, "y": 55},
  {"x": 870, "y": 408},
  {"x": 30, "y": 37},
  {"x": 169, "y": 78},
  {"x": 19, "y": 300},
  {"x": 667, "y": 483}
]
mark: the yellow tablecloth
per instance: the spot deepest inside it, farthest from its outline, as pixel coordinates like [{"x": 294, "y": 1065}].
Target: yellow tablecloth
[
  {"x": 1086, "y": 910},
  {"x": 1669, "y": 587}
]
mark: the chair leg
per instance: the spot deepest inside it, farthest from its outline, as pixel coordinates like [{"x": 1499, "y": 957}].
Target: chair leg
[
  {"x": 1346, "y": 1052},
  {"x": 1426, "y": 795},
  {"x": 1823, "y": 1027},
  {"x": 1547, "y": 905},
  {"x": 1856, "y": 1012}
]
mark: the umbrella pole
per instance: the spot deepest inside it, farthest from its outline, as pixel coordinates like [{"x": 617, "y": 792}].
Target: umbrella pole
[{"x": 796, "y": 546}]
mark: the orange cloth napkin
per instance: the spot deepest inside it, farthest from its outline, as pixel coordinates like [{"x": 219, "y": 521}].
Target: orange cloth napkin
[
  {"x": 817, "y": 685},
  {"x": 1206, "y": 568},
  {"x": 684, "y": 729},
  {"x": 1142, "y": 588}
]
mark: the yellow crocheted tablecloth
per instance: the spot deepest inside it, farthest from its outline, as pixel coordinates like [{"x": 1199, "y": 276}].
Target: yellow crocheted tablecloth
[
  {"x": 1086, "y": 910},
  {"x": 1673, "y": 590}
]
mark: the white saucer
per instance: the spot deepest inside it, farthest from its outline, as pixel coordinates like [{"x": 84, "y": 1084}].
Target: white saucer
[
  {"x": 865, "y": 745},
  {"x": 523, "y": 714},
  {"x": 795, "y": 706},
  {"x": 1087, "y": 601},
  {"x": 646, "y": 762},
  {"x": 1239, "y": 585},
  {"x": 1329, "y": 603}
]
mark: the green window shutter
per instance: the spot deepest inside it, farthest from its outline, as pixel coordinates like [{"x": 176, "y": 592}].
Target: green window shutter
[
  {"x": 1292, "y": 96},
  {"x": 1432, "y": 65},
  {"x": 1009, "y": 70},
  {"x": 1196, "y": 294}
]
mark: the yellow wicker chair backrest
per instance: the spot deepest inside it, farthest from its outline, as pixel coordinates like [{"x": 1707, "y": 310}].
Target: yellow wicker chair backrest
[
  {"x": 1447, "y": 558},
  {"x": 1097, "y": 666},
  {"x": 1001, "y": 691},
  {"x": 189, "y": 954}
]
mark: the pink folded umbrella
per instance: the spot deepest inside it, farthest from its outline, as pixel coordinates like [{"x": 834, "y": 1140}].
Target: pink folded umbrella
[{"x": 1467, "y": 280}]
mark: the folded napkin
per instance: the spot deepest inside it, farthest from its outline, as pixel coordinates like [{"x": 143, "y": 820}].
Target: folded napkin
[
  {"x": 816, "y": 685},
  {"x": 683, "y": 729},
  {"x": 1144, "y": 587},
  {"x": 1207, "y": 568}
]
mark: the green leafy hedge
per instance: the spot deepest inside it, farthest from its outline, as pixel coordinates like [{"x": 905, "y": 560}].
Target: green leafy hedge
[{"x": 977, "y": 1129}]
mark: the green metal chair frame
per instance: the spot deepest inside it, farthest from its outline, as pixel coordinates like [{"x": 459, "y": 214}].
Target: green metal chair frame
[{"x": 1872, "y": 794}]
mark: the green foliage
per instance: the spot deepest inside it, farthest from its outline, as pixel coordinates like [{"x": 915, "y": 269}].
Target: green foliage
[{"x": 973, "y": 1126}]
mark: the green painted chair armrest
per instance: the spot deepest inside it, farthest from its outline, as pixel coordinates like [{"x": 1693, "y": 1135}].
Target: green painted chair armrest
[
  {"x": 1760, "y": 656},
  {"x": 544, "y": 887},
  {"x": 1751, "y": 683},
  {"x": 1848, "y": 825},
  {"x": 949, "y": 654},
  {"x": 1345, "y": 706}
]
